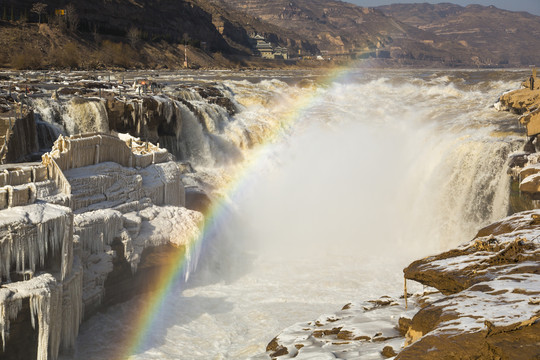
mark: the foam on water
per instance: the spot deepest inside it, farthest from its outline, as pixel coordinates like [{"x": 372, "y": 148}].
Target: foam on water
[{"x": 380, "y": 170}]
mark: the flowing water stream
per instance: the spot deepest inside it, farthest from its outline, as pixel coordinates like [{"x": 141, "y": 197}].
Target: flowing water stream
[{"x": 373, "y": 170}]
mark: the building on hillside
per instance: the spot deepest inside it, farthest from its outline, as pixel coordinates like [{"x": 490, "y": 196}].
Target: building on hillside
[
  {"x": 281, "y": 53},
  {"x": 264, "y": 49}
]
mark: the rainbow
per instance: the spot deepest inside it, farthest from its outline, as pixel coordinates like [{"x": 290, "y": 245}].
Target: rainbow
[{"x": 152, "y": 302}]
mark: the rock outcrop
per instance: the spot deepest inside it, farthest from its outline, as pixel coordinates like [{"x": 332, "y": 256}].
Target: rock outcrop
[
  {"x": 358, "y": 328},
  {"x": 525, "y": 102},
  {"x": 493, "y": 303},
  {"x": 491, "y": 307}
]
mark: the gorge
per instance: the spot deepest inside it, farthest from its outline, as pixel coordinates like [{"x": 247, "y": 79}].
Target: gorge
[{"x": 326, "y": 188}]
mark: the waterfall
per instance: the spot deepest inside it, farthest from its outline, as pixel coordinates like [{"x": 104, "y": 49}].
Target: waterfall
[
  {"x": 74, "y": 115},
  {"x": 356, "y": 178}
]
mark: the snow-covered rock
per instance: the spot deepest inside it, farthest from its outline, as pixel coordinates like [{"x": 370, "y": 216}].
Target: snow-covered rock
[{"x": 492, "y": 305}]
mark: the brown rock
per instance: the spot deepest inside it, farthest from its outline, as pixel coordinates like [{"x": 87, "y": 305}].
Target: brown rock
[
  {"x": 280, "y": 351},
  {"x": 327, "y": 332},
  {"x": 532, "y": 122},
  {"x": 453, "y": 279},
  {"x": 345, "y": 335},
  {"x": 362, "y": 338},
  {"x": 272, "y": 345},
  {"x": 403, "y": 325},
  {"x": 388, "y": 351},
  {"x": 520, "y": 101},
  {"x": 517, "y": 343}
]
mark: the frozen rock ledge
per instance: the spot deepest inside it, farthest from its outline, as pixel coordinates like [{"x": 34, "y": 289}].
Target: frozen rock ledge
[{"x": 75, "y": 231}]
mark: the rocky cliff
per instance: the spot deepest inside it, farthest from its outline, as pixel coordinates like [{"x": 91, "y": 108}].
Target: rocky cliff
[
  {"x": 144, "y": 33},
  {"x": 131, "y": 34},
  {"x": 336, "y": 27},
  {"x": 443, "y": 34}
]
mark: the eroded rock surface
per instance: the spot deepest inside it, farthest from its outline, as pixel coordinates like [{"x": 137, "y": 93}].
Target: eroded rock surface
[{"x": 519, "y": 101}]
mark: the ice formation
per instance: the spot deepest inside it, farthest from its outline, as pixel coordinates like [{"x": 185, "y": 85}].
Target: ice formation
[
  {"x": 28, "y": 234},
  {"x": 61, "y": 218}
]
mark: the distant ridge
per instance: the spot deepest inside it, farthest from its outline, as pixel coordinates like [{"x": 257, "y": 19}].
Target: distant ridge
[
  {"x": 408, "y": 34},
  {"x": 495, "y": 36}
]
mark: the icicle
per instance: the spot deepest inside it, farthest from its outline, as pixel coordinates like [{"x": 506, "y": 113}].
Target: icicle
[
  {"x": 9, "y": 309},
  {"x": 35, "y": 231},
  {"x": 72, "y": 307}
]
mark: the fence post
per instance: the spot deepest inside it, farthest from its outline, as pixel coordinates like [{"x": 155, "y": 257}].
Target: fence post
[
  {"x": 96, "y": 159},
  {"x": 405, "y": 288}
]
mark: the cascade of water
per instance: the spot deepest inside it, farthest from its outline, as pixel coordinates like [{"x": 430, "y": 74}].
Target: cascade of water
[
  {"x": 86, "y": 115},
  {"x": 374, "y": 172},
  {"x": 377, "y": 172},
  {"x": 75, "y": 116}
]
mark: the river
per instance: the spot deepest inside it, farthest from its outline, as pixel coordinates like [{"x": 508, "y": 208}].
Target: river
[{"x": 366, "y": 170}]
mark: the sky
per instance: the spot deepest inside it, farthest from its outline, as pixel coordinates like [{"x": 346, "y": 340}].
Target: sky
[{"x": 532, "y": 6}]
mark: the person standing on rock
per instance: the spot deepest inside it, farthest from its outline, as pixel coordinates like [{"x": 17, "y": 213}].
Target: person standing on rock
[{"x": 531, "y": 82}]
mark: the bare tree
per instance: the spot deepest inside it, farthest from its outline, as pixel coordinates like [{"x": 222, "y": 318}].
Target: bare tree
[
  {"x": 133, "y": 36},
  {"x": 39, "y": 8},
  {"x": 72, "y": 17},
  {"x": 95, "y": 33}
]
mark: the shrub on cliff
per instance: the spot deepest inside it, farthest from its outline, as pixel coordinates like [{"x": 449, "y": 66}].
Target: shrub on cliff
[
  {"x": 66, "y": 57},
  {"x": 28, "y": 58},
  {"x": 117, "y": 54}
]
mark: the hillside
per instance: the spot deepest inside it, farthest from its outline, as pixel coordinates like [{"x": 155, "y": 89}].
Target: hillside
[
  {"x": 443, "y": 34},
  {"x": 216, "y": 33},
  {"x": 131, "y": 33},
  {"x": 495, "y": 36},
  {"x": 336, "y": 27}
]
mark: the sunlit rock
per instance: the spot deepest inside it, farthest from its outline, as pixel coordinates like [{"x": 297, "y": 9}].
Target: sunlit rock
[
  {"x": 519, "y": 101},
  {"x": 531, "y": 122},
  {"x": 493, "y": 290}
]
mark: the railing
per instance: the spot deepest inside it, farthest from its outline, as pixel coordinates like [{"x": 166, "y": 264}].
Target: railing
[
  {"x": 57, "y": 175},
  {"x": 90, "y": 149},
  {"x": 79, "y": 151}
]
